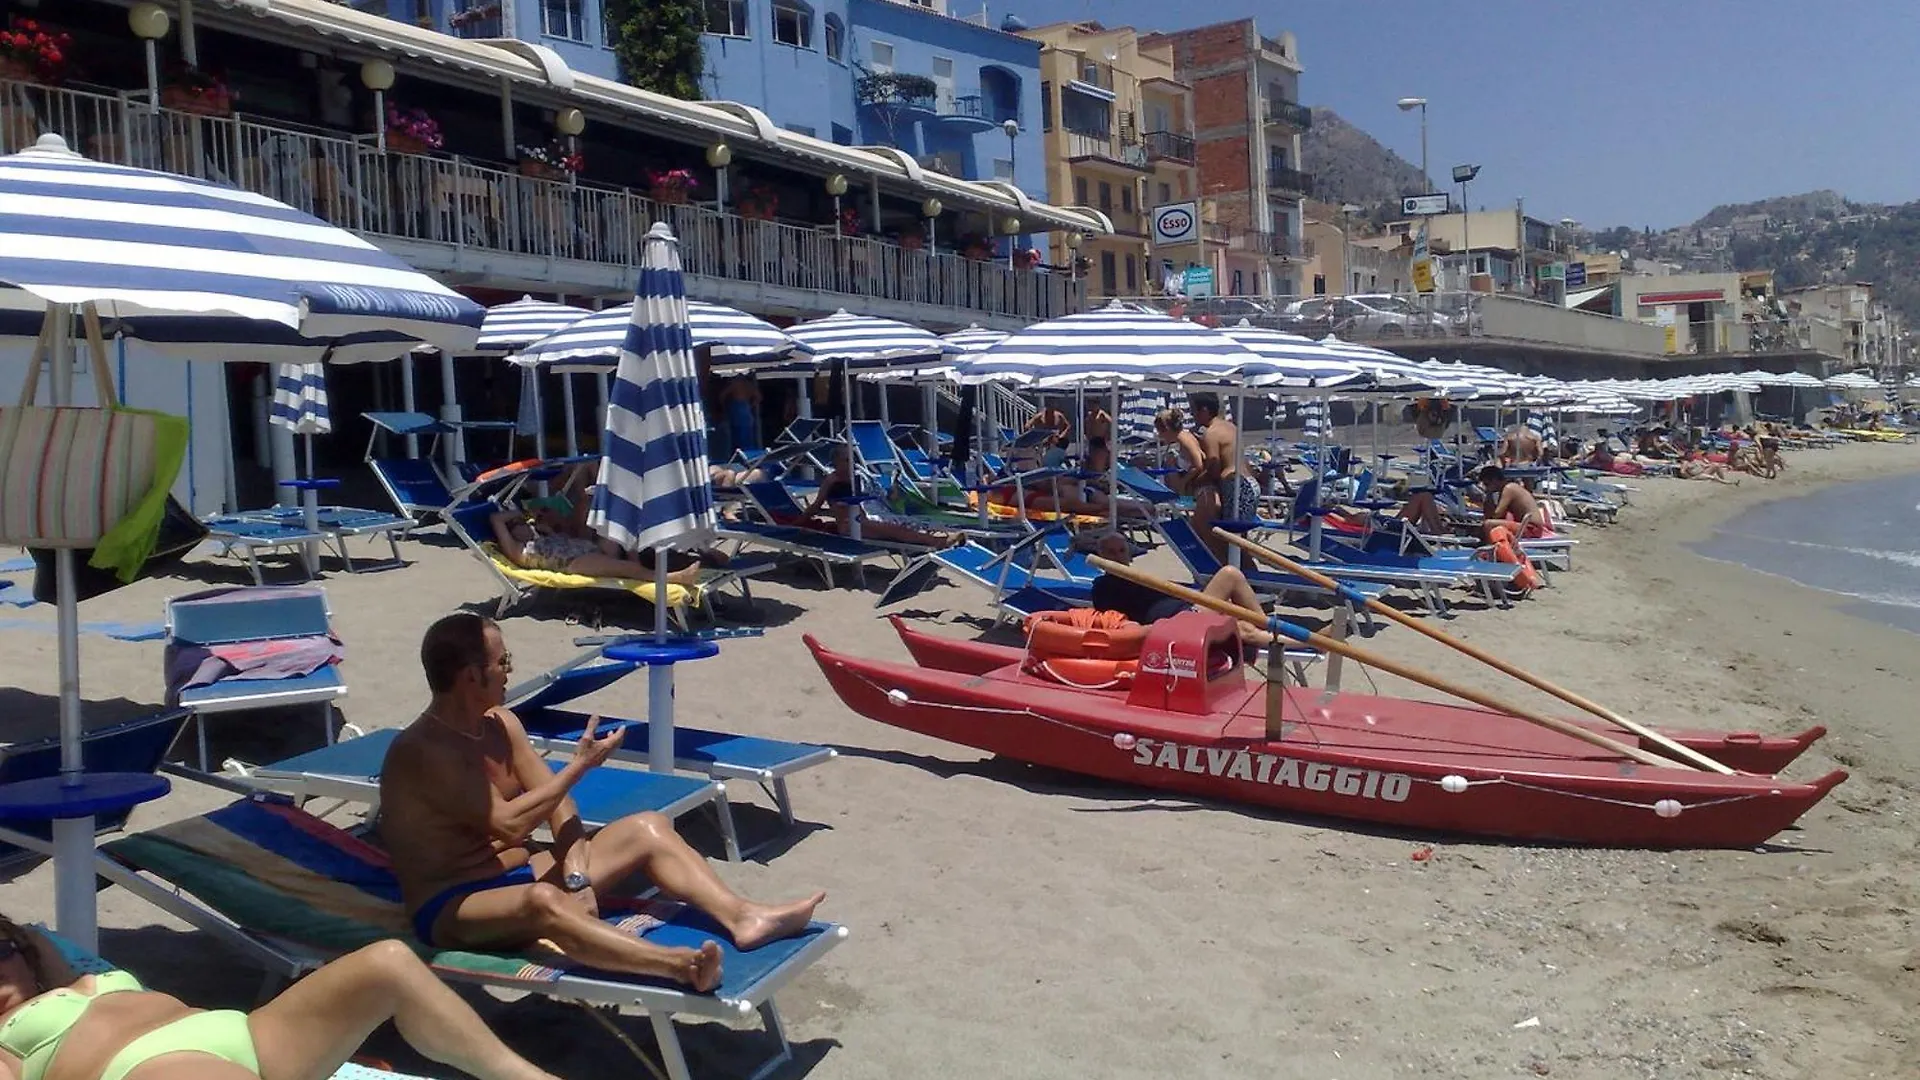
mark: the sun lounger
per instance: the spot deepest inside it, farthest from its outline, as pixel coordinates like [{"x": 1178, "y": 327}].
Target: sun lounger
[
  {"x": 349, "y": 770},
  {"x": 819, "y": 548},
  {"x": 1013, "y": 587},
  {"x": 136, "y": 746},
  {"x": 775, "y": 503},
  {"x": 471, "y": 523},
  {"x": 341, "y": 522},
  {"x": 254, "y": 616},
  {"x": 1201, "y": 563},
  {"x": 289, "y": 892},
  {"x": 248, "y": 536}
]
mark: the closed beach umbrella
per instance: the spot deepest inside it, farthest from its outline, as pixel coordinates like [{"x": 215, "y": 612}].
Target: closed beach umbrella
[
  {"x": 653, "y": 488},
  {"x": 213, "y": 272},
  {"x": 300, "y": 403}
]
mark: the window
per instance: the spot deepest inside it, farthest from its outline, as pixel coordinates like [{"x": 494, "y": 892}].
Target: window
[
  {"x": 836, "y": 36},
  {"x": 1003, "y": 169},
  {"x": 1166, "y": 193},
  {"x": 1080, "y": 191},
  {"x": 1046, "y": 106},
  {"x": 1133, "y": 277},
  {"x": 1107, "y": 283},
  {"x": 1239, "y": 283},
  {"x": 728, "y": 18},
  {"x": 563, "y": 19},
  {"x": 1106, "y": 195},
  {"x": 1126, "y": 199},
  {"x": 1319, "y": 284},
  {"x": 842, "y": 135},
  {"x": 793, "y": 23},
  {"x": 882, "y": 55},
  {"x": 801, "y": 129}
]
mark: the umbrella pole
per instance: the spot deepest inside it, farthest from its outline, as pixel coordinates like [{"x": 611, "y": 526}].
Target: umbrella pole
[
  {"x": 660, "y": 678},
  {"x": 573, "y": 421},
  {"x": 75, "y": 915},
  {"x": 1239, "y": 463},
  {"x": 1113, "y": 459},
  {"x": 406, "y": 401}
]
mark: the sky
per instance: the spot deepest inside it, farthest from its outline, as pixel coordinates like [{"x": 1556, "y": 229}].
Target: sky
[{"x": 1611, "y": 112}]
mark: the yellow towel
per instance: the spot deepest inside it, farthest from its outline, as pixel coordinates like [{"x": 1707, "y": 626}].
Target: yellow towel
[{"x": 677, "y": 595}]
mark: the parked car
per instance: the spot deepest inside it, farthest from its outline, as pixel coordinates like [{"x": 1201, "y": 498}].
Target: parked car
[{"x": 1385, "y": 315}]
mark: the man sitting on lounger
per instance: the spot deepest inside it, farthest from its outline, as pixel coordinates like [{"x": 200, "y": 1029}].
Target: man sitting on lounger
[
  {"x": 1509, "y": 502},
  {"x": 462, "y": 791},
  {"x": 1143, "y": 605}
]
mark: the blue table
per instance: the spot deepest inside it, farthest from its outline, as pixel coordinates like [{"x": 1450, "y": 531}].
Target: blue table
[
  {"x": 659, "y": 655},
  {"x": 71, "y": 802},
  {"x": 309, "y": 489}
]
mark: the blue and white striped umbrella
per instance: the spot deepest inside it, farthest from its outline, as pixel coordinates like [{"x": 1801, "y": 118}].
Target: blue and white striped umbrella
[
  {"x": 654, "y": 491},
  {"x": 1542, "y": 424},
  {"x": 1138, "y": 407},
  {"x": 210, "y": 272},
  {"x": 593, "y": 343},
  {"x": 869, "y": 341},
  {"x": 1314, "y": 415},
  {"x": 1391, "y": 373},
  {"x": 300, "y": 399},
  {"x": 974, "y": 339},
  {"x": 1115, "y": 344},
  {"x": 1289, "y": 360},
  {"x": 513, "y": 326}
]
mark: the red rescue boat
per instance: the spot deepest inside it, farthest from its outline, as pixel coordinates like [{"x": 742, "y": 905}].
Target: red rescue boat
[{"x": 1192, "y": 721}]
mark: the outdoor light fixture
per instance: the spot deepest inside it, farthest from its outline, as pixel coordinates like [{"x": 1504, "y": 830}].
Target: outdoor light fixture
[
  {"x": 931, "y": 208},
  {"x": 1465, "y": 173},
  {"x": 836, "y": 185},
  {"x": 149, "y": 23},
  {"x": 719, "y": 155},
  {"x": 377, "y": 76},
  {"x": 569, "y": 122}
]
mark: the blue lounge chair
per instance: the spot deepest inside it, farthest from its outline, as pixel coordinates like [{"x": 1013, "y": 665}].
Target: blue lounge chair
[
  {"x": 257, "y": 615},
  {"x": 136, "y": 746},
  {"x": 341, "y": 522},
  {"x": 248, "y": 536},
  {"x": 1201, "y": 563},
  {"x": 1014, "y": 588},
  {"x": 820, "y": 549}
]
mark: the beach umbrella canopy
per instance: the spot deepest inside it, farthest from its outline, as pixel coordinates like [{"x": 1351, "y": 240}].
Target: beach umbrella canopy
[
  {"x": 513, "y": 326},
  {"x": 1292, "y": 361},
  {"x": 206, "y": 271},
  {"x": 1391, "y": 373},
  {"x": 1114, "y": 344},
  {"x": 300, "y": 399},
  {"x": 1138, "y": 407},
  {"x": 974, "y": 339},
  {"x": 595, "y": 341},
  {"x": 868, "y": 341}
]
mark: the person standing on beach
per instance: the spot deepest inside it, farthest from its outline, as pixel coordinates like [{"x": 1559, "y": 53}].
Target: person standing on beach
[
  {"x": 462, "y": 791},
  {"x": 1221, "y": 482}
]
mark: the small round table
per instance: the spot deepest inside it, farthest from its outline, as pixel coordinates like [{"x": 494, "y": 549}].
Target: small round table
[
  {"x": 659, "y": 655},
  {"x": 309, "y": 489},
  {"x": 71, "y": 803}
]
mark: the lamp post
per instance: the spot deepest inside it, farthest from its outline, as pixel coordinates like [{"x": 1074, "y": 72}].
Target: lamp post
[
  {"x": 930, "y": 209},
  {"x": 1012, "y": 129},
  {"x": 149, "y": 23},
  {"x": 719, "y": 156},
  {"x": 1463, "y": 175},
  {"x": 377, "y": 76},
  {"x": 1408, "y": 104},
  {"x": 1347, "y": 210},
  {"x": 836, "y": 187}
]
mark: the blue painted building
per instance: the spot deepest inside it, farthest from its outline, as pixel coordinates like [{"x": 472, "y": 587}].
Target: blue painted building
[{"x": 802, "y": 63}]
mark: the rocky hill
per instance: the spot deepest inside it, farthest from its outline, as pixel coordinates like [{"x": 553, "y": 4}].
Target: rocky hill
[{"x": 1349, "y": 165}]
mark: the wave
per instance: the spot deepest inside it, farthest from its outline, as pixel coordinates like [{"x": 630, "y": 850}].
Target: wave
[{"x": 1904, "y": 558}]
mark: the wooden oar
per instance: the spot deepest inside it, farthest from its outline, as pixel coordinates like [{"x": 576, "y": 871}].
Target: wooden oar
[
  {"x": 1275, "y": 559},
  {"x": 1393, "y": 667}
]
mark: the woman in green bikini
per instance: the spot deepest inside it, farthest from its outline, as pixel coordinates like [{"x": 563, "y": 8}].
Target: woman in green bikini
[{"x": 56, "y": 1024}]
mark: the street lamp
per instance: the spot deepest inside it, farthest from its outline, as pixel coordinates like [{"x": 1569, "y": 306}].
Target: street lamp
[
  {"x": 1408, "y": 104},
  {"x": 1012, "y": 129},
  {"x": 1463, "y": 175}
]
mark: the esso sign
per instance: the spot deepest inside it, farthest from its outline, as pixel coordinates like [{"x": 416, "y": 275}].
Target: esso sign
[{"x": 1178, "y": 223}]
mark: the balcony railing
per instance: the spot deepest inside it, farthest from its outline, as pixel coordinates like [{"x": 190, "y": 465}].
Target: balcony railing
[
  {"x": 348, "y": 181},
  {"x": 1105, "y": 148},
  {"x": 1289, "y": 114},
  {"x": 1281, "y": 178},
  {"x": 1270, "y": 245},
  {"x": 1167, "y": 146}
]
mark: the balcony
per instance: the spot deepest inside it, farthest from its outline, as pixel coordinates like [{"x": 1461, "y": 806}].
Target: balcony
[
  {"x": 1084, "y": 147},
  {"x": 1167, "y": 146},
  {"x": 483, "y": 223},
  {"x": 1126, "y": 222},
  {"x": 1270, "y": 245},
  {"x": 1291, "y": 181},
  {"x": 973, "y": 112},
  {"x": 1287, "y": 114}
]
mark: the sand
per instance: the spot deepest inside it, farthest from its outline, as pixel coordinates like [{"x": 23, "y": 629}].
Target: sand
[{"x": 1012, "y": 922}]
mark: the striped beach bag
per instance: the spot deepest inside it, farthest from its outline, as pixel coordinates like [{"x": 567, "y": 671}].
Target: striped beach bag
[{"x": 69, "y": 475}]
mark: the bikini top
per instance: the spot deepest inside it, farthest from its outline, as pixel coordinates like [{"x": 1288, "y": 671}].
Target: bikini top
[{"x": 34, "y": 1031}]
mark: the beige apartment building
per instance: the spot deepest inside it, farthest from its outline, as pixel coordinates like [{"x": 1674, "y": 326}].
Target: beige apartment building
[{"x": 1118, "y": 128}]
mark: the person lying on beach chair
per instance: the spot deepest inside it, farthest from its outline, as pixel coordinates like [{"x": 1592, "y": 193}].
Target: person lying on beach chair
[
  {"x": 1509, "y": 501},
  {"x": 838, "y": 487},
  {"x": 1146, "y": 606},
  {"x": 1695, "y": 466},
  {"x": 462, "y": 791},
  {"x": 108, "y": 1026},
  {"x": 1422, "y": 511},
  {"x": 552, "y": 538}
]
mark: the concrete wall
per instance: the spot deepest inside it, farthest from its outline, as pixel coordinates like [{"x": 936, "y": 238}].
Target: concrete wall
[{"x": 1524, "y": 320}]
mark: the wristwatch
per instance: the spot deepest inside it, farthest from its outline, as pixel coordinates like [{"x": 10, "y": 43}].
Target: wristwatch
[{"x": 577, "y": 881}]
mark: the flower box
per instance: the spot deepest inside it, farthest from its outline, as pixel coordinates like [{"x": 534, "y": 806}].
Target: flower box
[
  {"x": 540, "y": 170},
  {"x": 197, "y": 102},
  {"x": 399, "y": 142},
  {"x": 12, "y": 70}
]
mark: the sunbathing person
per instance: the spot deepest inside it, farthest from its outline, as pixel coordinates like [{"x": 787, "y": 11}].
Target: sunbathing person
[
  {"x": 1111, "y": 592},
  {"x": 1696, "y": 467},
  {"x": 836, "y": 487},
  {"x": 545, "y": 541},
  {"x": 1509, "y": 501},
  {"x": 462, "y": 791},
  {"x": 65, "y": 1025},
  {"x": 1422, "y": 511}
]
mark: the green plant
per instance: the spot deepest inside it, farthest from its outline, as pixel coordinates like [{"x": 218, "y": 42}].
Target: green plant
[
  {"x": 658, "y": 44},
  {"x": 893, "y": 88}
]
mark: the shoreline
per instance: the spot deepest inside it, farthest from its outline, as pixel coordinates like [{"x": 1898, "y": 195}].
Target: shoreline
[{"x": 1018, "y": 922}]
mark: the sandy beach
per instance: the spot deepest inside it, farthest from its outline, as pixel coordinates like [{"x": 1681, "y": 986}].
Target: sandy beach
[{"x": 1014, "y": 922}]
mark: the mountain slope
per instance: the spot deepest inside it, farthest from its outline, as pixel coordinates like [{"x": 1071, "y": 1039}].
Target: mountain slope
[{"x": 1349, "y": 165}]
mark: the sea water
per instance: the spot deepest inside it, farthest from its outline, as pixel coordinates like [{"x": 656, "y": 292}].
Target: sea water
[{"x": 1859, "y": 540}]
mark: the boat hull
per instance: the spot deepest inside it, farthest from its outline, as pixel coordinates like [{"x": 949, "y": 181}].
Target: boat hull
[
  {"x": 1746, "y": 751},
  {"x": 1348, "y": 756}
]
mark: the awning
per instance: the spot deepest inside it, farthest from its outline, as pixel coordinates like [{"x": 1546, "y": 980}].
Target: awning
[
  {"x": 1586, "y": 296},
  {"x": 1090, "y": 90}
]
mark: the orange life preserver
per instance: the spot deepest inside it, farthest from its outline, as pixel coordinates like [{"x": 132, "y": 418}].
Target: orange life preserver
[
  {"x": 508, "y": 468},
  {"x": 1506, "y": 549},
  {"x": 1081, "y": 647}
]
